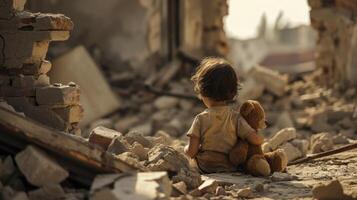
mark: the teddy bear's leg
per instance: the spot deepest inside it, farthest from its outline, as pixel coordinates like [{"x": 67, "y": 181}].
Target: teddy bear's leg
[
  {"x": 257, "y": 165},
  {"x": 238, "y": 155},
  {"x": 254, "y": 150},
  {"x": 277, "y": 160}
]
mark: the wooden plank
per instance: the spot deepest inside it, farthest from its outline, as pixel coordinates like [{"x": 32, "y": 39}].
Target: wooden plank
[
  {"x": 24, "y": 131},
  {"x": 97, "y": 98}
]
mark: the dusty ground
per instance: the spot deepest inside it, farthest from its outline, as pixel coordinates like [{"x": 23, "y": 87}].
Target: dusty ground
[{"x": 342, "y": 166}]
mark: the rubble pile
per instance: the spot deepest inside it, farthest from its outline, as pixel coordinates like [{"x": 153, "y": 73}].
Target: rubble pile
[
  {"x": 32, "y": 174},
  {"x": 148, "y": 152},
  {"x": 24, "y": 84}
]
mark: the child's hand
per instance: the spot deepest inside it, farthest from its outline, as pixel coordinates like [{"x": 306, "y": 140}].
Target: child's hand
[
  {"x": 192, "y": 148},
  {"x": 255, "y": 139}
]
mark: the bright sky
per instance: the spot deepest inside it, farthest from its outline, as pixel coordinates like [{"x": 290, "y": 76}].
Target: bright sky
[{"x": 244, "y": 15}]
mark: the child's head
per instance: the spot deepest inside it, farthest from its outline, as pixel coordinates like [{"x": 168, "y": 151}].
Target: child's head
[
  {"x": 215, "y": 79},
  {"x": 254, "y": 114}
]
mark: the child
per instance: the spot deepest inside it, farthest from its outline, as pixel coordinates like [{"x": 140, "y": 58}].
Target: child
[{"x": 215, "y": 131}]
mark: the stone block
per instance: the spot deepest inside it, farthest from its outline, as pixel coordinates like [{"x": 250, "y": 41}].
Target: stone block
[
  {"x": 71, "y": 114},
  {"x": 291, "y": 151},
  {"x": 38, "y": 168},
  {"x": 274, "y": 82},
  {"x": 58, "y": 94},
  {"x": 94, "y": 87},
  {"x": 103, "y": 136},
  {"x": 321, "y": 142},
  {"x": 208, "y": 186},
  {"x": 44, "y": 22},
  {"x": 145, "y": 185},
  {"x": 281, "y": 137},
  {"x": 118, "y": 146},
  {"x": 41, "y": 114}
]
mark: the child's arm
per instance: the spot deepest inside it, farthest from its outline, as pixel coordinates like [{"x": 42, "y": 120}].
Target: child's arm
[
  {"x": 255, "y": 139},
  {"x": 193, "y": 146}
]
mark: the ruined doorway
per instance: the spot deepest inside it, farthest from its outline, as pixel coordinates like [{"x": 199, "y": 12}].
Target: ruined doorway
[{"x": 170, "y": 28}]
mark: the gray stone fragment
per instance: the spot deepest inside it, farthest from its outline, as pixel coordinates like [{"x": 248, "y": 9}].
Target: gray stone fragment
[{"x": 38, "y": 168}]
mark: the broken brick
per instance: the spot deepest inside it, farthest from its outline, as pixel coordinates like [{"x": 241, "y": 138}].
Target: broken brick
[
  {"x": 71, "y": 114},
  {"x": 58, "y": 94},
  {"x": 102, "y": 136}
]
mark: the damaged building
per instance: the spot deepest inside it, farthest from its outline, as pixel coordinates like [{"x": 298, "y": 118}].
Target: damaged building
[{"x": 96, "y": 98}]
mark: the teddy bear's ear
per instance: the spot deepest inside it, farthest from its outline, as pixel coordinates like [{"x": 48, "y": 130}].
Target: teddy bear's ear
[{"x": 246, "y": 108}]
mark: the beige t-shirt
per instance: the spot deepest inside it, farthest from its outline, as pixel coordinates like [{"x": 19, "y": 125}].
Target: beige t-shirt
[{"x": 218, "y": 128}]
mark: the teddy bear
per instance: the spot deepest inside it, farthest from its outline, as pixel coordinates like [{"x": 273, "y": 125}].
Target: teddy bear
[{"x": 251, "y": 157}]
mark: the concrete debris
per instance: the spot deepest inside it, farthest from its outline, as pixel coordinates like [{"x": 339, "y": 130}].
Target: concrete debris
[
  {"x": 301, "y": 144},
  {"x": 330, "y": 190},
  {"x": 340, "y": 139},
  {"x": 208, "y": 186},
  {"x": 191, "y": 177},
  {"x": 38, "y": 168},
  {"x": 284, "y": 121},
  {"x": 165, "y": 102},
  {"x": 252, "y": 89},
  {"x": 291, "y": 151},
  {"x": 124, "y": 124},
  {"x": 103, "y": 136},
  {"x": 165, "y": 158},
  {"x": 140, "y": 151},
  {"x": 281, "y": 137},
  {"x": 280, "y": 176},
  {"x": 181, "y": 187},
  {"x": 245, "y": 193},
  {"x": 144, "y": 129},
  {"x": 70, "y": 67},
  {"x": 273, "y": 81},
  {"x": 118, "y": 145},
  {"x": 135, "y": 136},
  {"x": 47, "y": 192},
  {"x": 220, "y": 191},
  {"x": 321, "y": 142},
  {"x": 156, "y": 186}
]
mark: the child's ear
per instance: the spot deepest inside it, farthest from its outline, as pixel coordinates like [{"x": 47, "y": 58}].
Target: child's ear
[{"x": 246, "y": 108}]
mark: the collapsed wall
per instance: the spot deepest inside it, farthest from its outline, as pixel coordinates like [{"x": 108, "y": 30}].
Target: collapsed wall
[
  {"x": 24, "y": 84},
  {"x": 336, "y": 24}
]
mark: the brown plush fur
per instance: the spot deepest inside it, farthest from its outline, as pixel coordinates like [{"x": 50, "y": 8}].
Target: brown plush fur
[
  {"x": 250, "y": 156},
  {"x": 238, "y": 155},
  {"x": 277, "y": 160},
  {"x": 257, "y": 165}
]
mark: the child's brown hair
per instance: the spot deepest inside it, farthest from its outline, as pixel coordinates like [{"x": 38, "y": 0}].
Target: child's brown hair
[{"x": 215, "y": 78}]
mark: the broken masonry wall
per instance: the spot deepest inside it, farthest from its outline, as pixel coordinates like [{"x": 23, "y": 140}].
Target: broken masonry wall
[
  {"x": 24, "y": 84},
  {"x": 134, "y": 32},
  {"x": 202, "y": 27},
  {"x": 126, "y": 32},
  {"x": 214, "y": 40},
  {"x": 336, "y": 24}
]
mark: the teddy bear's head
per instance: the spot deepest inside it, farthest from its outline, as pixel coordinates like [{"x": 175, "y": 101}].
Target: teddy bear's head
[{"x": 254, "y": 114}]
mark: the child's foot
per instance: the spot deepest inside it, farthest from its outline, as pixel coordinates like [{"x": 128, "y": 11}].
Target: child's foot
[
  {"x": 257, "y": 165},
  {"x": 277, "y": 160}
]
